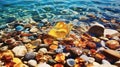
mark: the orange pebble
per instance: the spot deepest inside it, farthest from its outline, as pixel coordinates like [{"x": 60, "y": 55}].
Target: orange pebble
[
  {"x": 53, "y": 47},
  {"x": 60, "y": 57},
  {"x": 77, "y": 65},
  {"x": 48, "y": 41},
  {"x": 58, "y": 65},
  {"x": 79, "y": 60}
]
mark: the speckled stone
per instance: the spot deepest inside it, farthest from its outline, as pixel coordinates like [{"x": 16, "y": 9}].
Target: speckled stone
[{"x": 29, "y": 55}]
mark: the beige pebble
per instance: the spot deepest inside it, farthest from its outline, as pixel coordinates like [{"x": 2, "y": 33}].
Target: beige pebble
[
  {"x": 19, "y": 51},
  {"x": 43, "y": 65},
  {"x": 34, "y": 29},
  {"x": 109, "y": 32},
  {"x": 25, "y": 39},
  {"x": 32, "y": 62}
]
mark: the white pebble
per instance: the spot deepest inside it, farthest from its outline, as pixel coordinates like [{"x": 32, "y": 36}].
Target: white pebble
[
  {"x": 33, "y": 29},
  {"x": 86, "y": 58},
  {"x": 110, "y": 32},
  {"x": 91, "y": 60},
  {"x": 44, "y": 50},
  {"x": 19, "y": 51},
  {"x": 43, "y": 65},
  {"x": 32, "y": 62},
  {"x": 106, "y": 62}
]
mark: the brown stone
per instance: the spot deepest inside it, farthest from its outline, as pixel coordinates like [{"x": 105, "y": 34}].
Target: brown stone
[
  {"x": 111, "y": 55},
  {"x": 112, "y": 44},
  {"x": 96, "y": 30}
]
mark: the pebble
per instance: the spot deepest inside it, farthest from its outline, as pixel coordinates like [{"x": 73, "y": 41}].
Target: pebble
[
  {"x": 4, "y": 48},
  {"x": 109, "y": 32},
  {"x": 91, "y": 60},
  {"x": 43, "y": 65},
  {"x": 117, "y": 63},
  {"x": 91, "y": 15},
  {"x": 70, "y": 62},
  {"x": 32, "y": 63},
  {"x": 33, "y": 29},
  {"x": 44, "y": 20},
  {"x": 3, "y": 26},
  {"x": 25, "y": 39},
  {"x": 83, "y": 18},
  {"x": 29, "y": 55},
  {"x": 106, "y": 62},
  {"x": 40, "y": 25},
  {"x": 19, "y": 28},
  {"x": 17, "y": 60},
  {"x": 113, "y": 44},
  {"x": 111, "y": 55},
  {"x": 43, "y": 50},
  {"x": 10, "y": 41},
  {"x": 96, "y": 31},
  {"x": 76, "y": 51},
  {"x": 19, "y": 51},
  {"x": 85, "y": 57}
]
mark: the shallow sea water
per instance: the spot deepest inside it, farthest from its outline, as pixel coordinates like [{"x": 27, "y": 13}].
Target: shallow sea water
[{"x": 53, "y": 10}]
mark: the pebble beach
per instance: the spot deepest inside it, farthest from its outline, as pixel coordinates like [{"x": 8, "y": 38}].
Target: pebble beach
[{"x": 59, "y": 37}]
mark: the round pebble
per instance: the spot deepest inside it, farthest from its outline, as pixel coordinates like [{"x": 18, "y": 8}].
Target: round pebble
[
  {"x": 32, "y": 63},
  {"x": 44, "y": 50},
  {"x": 19, "y": 51},
  {"x": 96, "y": 31},
  {"x": 29, "y": 55},
  {"x": 33, "y": 30},
  {"x": 113, "y": 44},
  {"x": 70, "y": 62},
  {"x": 43, "y": 65}
]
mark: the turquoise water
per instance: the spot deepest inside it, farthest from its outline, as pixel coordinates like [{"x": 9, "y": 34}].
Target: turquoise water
[{"x": 52, "y": 10}]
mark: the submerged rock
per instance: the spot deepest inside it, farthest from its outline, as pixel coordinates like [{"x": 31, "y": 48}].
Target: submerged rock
[
  {"x": 34, "y": 29},
  {"x": 19, "y": 28},
  {"x": 96, "y": 31}
]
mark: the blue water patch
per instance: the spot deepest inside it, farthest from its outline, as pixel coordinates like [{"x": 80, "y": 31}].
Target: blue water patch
[{"x": 11, "y": 10}]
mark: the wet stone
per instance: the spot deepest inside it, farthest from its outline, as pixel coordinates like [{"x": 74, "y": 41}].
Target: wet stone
[
  {"x": 70, "y": 62},
  {"x": 96, "y": 31},
  {"x": 19, "y": 28},
  {"x": 29, "y": 55},
  {"x": 75, "y": 51}
]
